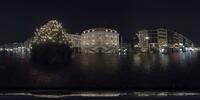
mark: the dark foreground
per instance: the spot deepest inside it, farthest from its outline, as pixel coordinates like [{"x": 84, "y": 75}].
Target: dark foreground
[
  {"x": 171, "y": 72},
  {"x": 103, "y": 98},
  {"x": 103, "y": 95}
]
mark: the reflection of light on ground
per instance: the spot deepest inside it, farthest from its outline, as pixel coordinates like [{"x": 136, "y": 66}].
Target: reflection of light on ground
[
  {"x": 93, "y": 63},
  {"x": 147, "y": 66},
  {"x": 183, "y": 58},
  {"x": 164, "y": 60},
  {"x": 38, "y": 76},
  {"x": 137, "y": 59}
]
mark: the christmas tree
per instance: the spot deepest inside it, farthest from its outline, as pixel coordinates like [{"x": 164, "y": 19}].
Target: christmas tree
[
  {"x": 52, "y": 32},
  {"x": 51, "y": 44}
]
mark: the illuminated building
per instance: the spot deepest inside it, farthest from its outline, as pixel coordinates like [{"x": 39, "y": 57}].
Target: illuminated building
[
  {"x": 99, "y": 40},
  {"x": 76, "y": 42},
  {"x": 162, "y": 40},
  {"x": 178, "y": 42},
  {"x": 152, "y": 40}
]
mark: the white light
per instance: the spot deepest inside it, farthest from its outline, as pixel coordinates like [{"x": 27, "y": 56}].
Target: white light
[
  {"x": 165, "y": 45},
  {"x": 162, "y": 50},
  {"x": 147, "y": 38},
  {"x": 181, "y": 44},
  {"x": 136, "y": 45}
]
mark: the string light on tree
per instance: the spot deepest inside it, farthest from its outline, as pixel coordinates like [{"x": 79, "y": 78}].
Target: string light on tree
[{"x": 52, "y": 32}]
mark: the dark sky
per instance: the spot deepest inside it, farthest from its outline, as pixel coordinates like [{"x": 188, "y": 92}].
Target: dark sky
[{"x": 18, "y": 20}]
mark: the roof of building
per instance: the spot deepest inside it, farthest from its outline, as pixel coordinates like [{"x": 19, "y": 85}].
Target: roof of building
[{"x": 100, "y": 29}]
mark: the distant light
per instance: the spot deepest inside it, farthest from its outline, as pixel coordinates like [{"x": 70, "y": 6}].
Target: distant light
[
  {"x": 162, "y": 50},
  {"x": 181, "y": 44},
  {"x": 136, "y": 46},
  {"x": 147, "y": 38}
]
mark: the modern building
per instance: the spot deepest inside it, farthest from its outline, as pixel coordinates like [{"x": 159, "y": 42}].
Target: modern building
[
  {"x": 99, "y": 40},
  {"x": 161, "y": 40},
  {"x": 152, "y": 40}
]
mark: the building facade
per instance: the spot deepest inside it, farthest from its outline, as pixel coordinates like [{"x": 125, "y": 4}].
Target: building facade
[
  {"x": 96, "y": 40},
  {"x": 162, "y": 40},
  {"x": 99, "y": 40},
  {"x": 76, "y": 42},
  {"x": 152, "y": 40}
]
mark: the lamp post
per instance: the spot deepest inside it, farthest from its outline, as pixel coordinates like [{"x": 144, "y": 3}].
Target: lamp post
[{"x": 147, "y": 39}]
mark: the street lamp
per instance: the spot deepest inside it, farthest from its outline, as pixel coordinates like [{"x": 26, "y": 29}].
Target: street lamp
[{"x": 147, "y": 38}]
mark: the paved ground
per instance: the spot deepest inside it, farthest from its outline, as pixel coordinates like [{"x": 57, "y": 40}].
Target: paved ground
[{"x": 101, "y": 98}]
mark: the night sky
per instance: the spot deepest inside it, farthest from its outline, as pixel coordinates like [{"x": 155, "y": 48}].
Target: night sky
[{"x": 18, "y": 20}]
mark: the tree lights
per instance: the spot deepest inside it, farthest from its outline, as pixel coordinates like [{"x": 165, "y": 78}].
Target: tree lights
[
  {"x": 51, "y": 44},
  {"x": 52, "y": 32}
]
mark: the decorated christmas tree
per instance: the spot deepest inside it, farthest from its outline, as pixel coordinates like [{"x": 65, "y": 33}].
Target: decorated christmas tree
[
  {"x": 51, "y": 44},
  {"x": 52, "y": 32}
]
